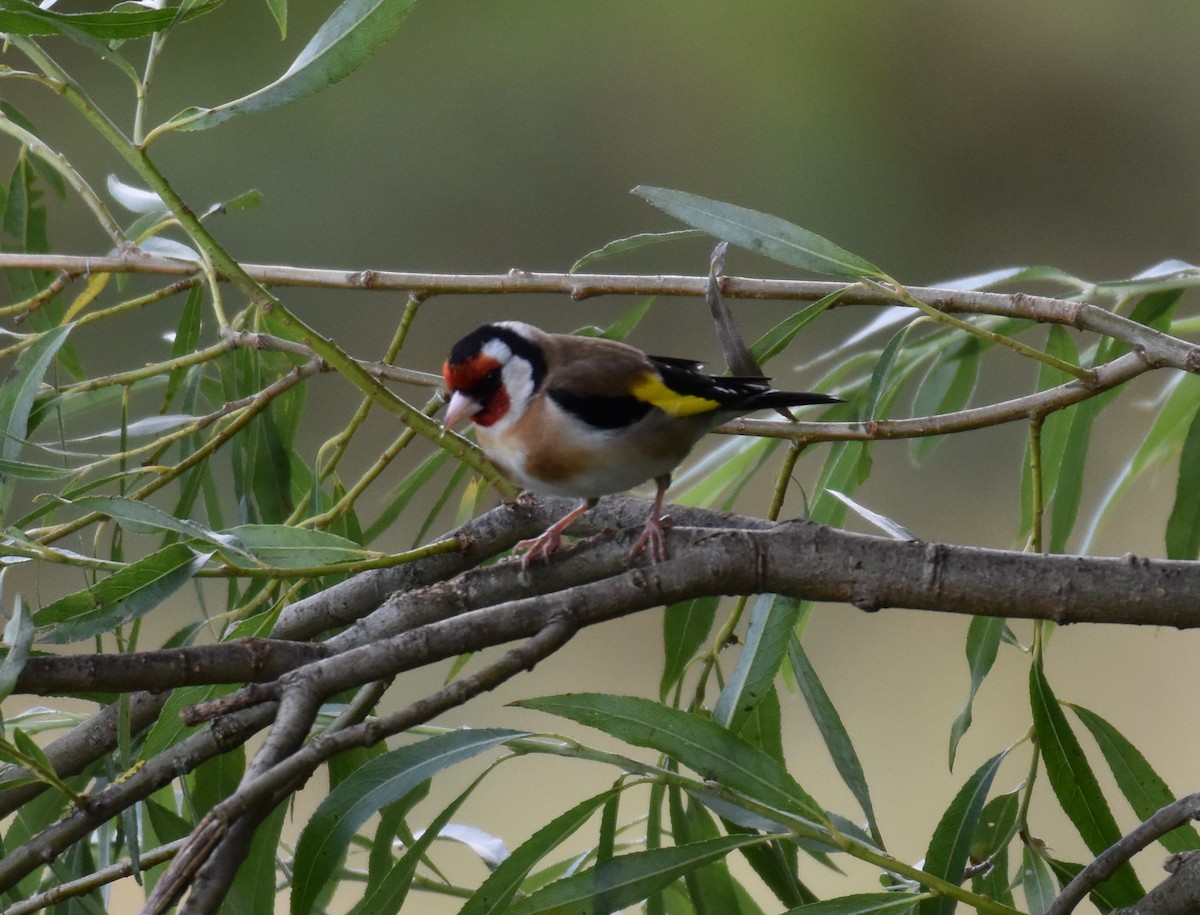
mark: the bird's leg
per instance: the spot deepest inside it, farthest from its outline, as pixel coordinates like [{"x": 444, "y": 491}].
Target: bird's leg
[
  {"x": 542, "y": 546},
  {"x": 654, "y": 533}
]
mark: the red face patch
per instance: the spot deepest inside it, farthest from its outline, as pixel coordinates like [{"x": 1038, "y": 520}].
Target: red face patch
[
  {"x": 479, "y": 379},
  {"x": 469, "y": 375}
]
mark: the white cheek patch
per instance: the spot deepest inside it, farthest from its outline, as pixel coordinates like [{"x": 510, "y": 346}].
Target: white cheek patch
[{"x": 517, "y": 375}]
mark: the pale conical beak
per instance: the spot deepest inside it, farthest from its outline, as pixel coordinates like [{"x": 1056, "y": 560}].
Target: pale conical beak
[{"x": 461, "y": 407}]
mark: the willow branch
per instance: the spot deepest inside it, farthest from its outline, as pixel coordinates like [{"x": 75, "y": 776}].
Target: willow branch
[{"x": 1105, "y": 864}]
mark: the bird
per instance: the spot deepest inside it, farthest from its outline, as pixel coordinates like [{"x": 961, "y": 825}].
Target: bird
[{"x": 584, "y": 417}]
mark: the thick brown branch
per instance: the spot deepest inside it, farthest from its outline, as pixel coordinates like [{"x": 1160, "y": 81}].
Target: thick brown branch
[{"x": 242, "y": 661}]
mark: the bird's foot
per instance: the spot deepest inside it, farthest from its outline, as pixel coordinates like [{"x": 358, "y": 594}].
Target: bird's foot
[
  {"x": 539, "y": 547},
  {"x": 653, "y": 536}
]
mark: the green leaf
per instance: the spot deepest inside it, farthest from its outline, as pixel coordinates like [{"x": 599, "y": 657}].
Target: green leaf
[
  {"x": 685, "y": 627},
  {"x": 21, "y": 470},
  {"x": 397, "y": 500},
  {"x": 282, "y": 546},
  {"x": 983, "y": 643},
  {"x": 627, "y": 879},
  {"x": 18, "y": 639},
  {"x": 1172, "y": 416},
  {"x": 120, "y": 598},
  {"x": 997, "y": 824},
  {"x": 343, "y": 43},
  {"x": 946, "y": 388},
  {"x": 860, "y": 904},
  {"x": 834, "y": 733},
  {"x": 1036, "y": 881},
  {"x": 951, "y": 842},
  {"x": 632, "y": 243},
  {"x": 776, "y": 340},
  {"x": 495, "y": 893},
  {"x": 1075, "y": 785},
  {"x": 142, "y": 517},
  {"x": 17, "y": 395},
  {"x": 1068, "y": 493},
  {"x": 381, "y": 781},
  {"x": 253, "y": 890},
  {"x": 1142, "y": 786},
  {"x": 21, "y": 17},
  {"x": 767, "y": 235},
  {"x": 388, "y": 896},
  {"x": 1183, "y": 525},
  {"x": 699, "y": 743},
  {"x": 994, "y": 883},
  {"x": 187, "y": 340},
  {"x": 772, "y": 619}
]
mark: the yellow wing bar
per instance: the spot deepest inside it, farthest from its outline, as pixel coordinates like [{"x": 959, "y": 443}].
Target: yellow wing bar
[{"x": 650, "y": 389}]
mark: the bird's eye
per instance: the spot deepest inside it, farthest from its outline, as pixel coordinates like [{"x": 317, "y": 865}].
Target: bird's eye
[{"x": 492, "y": 378}]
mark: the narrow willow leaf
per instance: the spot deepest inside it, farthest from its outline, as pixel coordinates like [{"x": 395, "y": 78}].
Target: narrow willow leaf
[
  {"x": 995, "y": 883},
  {"x": 983, "y": 643},
  {"x": 884, "y": 380},
  {"x": 834, "y": 733},
  {"x": 698, "y": 743},
  {"x": 17, "y": 395},
  {"x": 21, "y": 17},
  {"x": 1075, "y": 785},
  {"x": 394, "y": 503},
  {"x": 632, "y": 243},
  {"x": 498, "y": 890},
  {"x": 21, "y": 470},
  {"x": 18, "y": 639},
  {"x": 686, "y": 625},
  {"x": 1172, "y": 416},
  {"x": 252, "y": 892},
  {"x": 282, "y": 546},
  {"x": 627, "y": 879},
  {"x": 721, "y": 474},
  {"x": 776, "y": 340},
  {"x": 120, "y": 598},
  {"x": 950, "y": 845},
  {"x": 388, "y": 897},
  {"x": 1142, "y": 786},
  {"x": 946, "y": 388},
  {"x": 383, "y": 780},
  {"x": 1183, "y": 525},
  {"x": 623, "y": 326},
  {"x": 767, "y": 235},
  {"x": 860, "y": 904},
  {"x": 710, "y": 887},
  {"x": 1036, "y": 881},
  {"x": 1068, "y": 494},
  {"x": 142, "y": 517},
  {"x": 1006, "y": 275},
  {"x": 1166, "y": 276},
  {"x": 772, "y": 619},
  {"x": 342, "y": 44},
  {"x": 892, "y": 528},
  {"x": 186, "y": 340},
  {"x": 997, "y": 825}
]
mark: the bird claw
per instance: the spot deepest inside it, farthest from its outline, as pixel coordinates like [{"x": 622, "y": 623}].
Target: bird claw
[
  {"x": 539, "y": 547},
  {"x": 653, "y": 536}
]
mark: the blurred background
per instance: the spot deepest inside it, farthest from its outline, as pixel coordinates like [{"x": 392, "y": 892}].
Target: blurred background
[{"x": 936, "y": 139}]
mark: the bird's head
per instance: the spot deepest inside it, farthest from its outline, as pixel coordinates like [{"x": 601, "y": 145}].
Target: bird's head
[{"x": 492, "y": 373}]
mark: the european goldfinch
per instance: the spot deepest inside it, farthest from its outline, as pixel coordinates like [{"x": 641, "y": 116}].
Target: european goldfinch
[{"x": 584, "y": 416}]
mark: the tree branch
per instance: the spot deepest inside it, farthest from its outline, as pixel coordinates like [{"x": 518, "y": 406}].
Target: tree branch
[{"x": 1166, "y": 902}]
